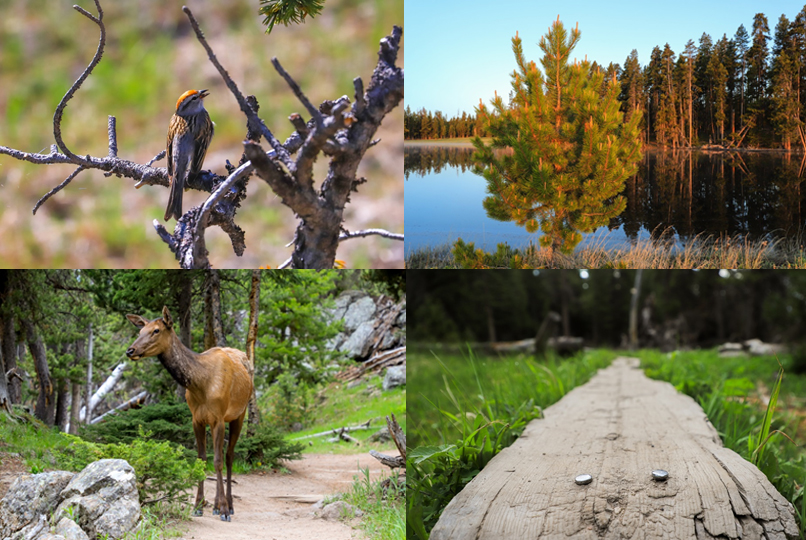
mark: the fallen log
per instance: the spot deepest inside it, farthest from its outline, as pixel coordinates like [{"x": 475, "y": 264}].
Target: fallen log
[
  {"x": 392, "y": 357},
  {"x": 341, "y": 435},
  {"x": 335, "y": 431},
  {"x": 619, "y": 428}
]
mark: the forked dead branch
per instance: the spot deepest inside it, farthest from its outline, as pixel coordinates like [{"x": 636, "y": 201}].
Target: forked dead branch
[{"x": 340, "y": 129}]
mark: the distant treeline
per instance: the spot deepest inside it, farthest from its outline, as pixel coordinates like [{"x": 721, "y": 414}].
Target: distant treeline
[
  {"x": 426, "y": 125},
  {"x": 742, "y": 91}
]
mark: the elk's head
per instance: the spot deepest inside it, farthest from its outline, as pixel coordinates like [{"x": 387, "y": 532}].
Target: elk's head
[{"x": 154, "y": 338}]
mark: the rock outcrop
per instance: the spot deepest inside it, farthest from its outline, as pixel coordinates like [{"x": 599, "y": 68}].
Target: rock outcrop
[{"x": 100, "y": 501}]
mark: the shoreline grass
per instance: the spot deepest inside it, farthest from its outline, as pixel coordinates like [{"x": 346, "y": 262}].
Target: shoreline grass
[{"x": 701, "y": 252}]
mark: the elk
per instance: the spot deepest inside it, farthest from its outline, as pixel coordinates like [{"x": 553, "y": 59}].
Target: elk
[{"x": 218, "y": 384}]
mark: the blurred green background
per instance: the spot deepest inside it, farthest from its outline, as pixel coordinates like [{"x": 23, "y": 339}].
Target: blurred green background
[{"x": 151, "y": 57}]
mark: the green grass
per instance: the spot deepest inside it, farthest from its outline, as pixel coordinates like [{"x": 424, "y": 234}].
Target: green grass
[
  {"x": 467, "y": 409},
  {"x": 344, "y": 406},
  {"x": 36, "y": 444},
  {"x": 384, "y": 513},
  {"x": 729, "y": 391}
]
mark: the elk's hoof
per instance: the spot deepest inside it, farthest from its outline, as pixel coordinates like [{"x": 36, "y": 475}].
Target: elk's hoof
[
  {"x": 215, "y": 511},
  {"x": 198, "y": 512},
  {"x": 225, "y": 517}
]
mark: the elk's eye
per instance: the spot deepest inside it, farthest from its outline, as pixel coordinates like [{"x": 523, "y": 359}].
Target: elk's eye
[{"x": 156, "y": 331}]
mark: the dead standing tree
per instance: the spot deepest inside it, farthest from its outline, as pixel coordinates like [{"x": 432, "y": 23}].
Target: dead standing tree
[{"x": 339, "y": 129}]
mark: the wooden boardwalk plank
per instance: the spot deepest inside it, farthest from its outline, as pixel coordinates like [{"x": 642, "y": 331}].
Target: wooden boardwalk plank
[{"x": 619, "y": 427}]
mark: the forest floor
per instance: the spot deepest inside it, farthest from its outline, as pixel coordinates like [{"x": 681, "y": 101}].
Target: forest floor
[{"x": 280, "y": 506}]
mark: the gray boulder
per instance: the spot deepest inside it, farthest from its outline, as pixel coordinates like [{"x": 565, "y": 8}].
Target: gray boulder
[
  {"x": 69, "y": 530},
  {"x": 30, "y": 496},
  {"x": 359, "y": 343},
  {"x": 359, "y": 312},
  {"x": 339, "y": 509},
  {"x": 395, "y": 376},
  {"x": 103, "y": 498}
]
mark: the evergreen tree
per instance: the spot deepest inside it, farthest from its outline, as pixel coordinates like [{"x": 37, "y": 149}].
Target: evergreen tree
[
  {"x": 666, "y": 124},
  {"x": 689, "y": 54},
  {"x": 571, "y": 151},
  {"x": 702, "y": 78},
  {"x": 741, "y": 39},
  {"x": 631, "y": 80},
  {"x": 783, "y": 89},
  {"x": 757, "y": 61},
  {"x": 718, "y": 77}
]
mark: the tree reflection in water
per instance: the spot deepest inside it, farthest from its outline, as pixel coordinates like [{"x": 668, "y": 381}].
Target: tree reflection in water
[{"x": 684, "y": 194}]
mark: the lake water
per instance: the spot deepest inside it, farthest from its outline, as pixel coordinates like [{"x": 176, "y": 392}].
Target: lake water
[{"x": 683, "y": 194}]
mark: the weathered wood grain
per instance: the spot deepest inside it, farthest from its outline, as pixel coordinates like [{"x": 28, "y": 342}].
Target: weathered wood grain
[{"x": 619, "y": 427}]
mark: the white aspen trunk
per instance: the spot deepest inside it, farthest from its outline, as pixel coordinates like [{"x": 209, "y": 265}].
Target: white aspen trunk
[
  {"x": 88, "y": 393},
  {"x": 103, "y": 390}
]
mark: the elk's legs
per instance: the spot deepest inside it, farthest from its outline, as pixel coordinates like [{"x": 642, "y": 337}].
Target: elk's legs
[
  {"x": 221, "y": 505},
  {"x": 201, "y": 446},
  {"x": 234, "y": 432}
]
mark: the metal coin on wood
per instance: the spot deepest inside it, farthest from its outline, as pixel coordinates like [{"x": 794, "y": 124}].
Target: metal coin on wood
[
  {"x": 583, "y": 479},
  {"x": 660, "y": 475}
]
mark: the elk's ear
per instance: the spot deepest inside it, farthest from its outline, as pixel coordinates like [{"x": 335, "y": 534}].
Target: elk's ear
[
  {"x": 166, "y": 317},
  {"x": 137, "y": 320}
]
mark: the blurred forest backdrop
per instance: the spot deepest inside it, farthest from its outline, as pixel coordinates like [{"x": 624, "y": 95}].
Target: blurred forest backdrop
[
  {"x": 694, "y": 308},
  {"x": 151, "y": 57}
]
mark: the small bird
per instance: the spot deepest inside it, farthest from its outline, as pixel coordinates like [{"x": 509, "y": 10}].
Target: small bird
[{"x": 189, "y": 135}]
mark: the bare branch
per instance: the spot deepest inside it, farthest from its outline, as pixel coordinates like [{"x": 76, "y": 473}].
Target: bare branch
[
  {"x": 369, "y": 232},
  {"x": 58, "y": 188},
  {"x": 39, "y": 159},
  {"x": 247, "y": 110},
  {"x": 57, "y": 117},
  {"x": 360, "y": 102},
  {"x": 156, "y": 158},
  {"x": 314, "y": 112},
  {"x": 113, "y": 136}
]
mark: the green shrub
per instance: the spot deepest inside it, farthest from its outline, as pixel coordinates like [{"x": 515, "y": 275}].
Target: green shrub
[
  {"x": 266, "y": 447},
  {"x": 173, "y": 423},
  {"x": 165, "y": 421},
  {"x": 162, "y": 471},
  {"x": 290, "y": 401}
]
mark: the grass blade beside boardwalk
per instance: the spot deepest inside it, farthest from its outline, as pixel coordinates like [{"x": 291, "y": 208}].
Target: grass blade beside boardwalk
[{"x": 468, "y": 408}]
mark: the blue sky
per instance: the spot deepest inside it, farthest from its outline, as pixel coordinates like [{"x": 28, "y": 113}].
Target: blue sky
[{"x": 458, "y": 51}]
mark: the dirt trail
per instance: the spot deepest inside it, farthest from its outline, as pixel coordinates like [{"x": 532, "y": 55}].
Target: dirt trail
[{"x": 266, "y": 506}]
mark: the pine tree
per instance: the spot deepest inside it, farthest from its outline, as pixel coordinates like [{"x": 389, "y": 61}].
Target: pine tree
[
  {"x": 689, "y": 53},
  {"x": 757, "y": 61},
  {"x": 718, "y": 77},
  {"x": 741, "y": 39},
  {"x": 631, "y": 79},
  {"x": 566, "y": 151},
  {"x": 783, "y": 89}
]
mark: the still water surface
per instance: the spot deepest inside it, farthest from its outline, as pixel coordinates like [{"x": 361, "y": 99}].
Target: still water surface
[{"x": 683, "y": 193}]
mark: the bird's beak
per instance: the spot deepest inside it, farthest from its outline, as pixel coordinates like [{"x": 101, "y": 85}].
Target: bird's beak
[{"x": 203, "y": 94}]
